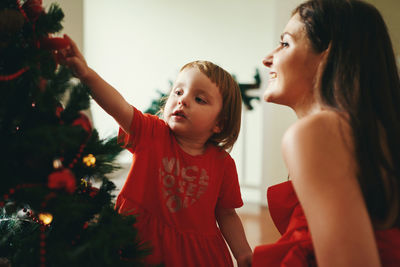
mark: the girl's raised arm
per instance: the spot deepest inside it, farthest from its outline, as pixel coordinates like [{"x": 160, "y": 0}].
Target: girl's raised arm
[{"x": 102, "y": 92}]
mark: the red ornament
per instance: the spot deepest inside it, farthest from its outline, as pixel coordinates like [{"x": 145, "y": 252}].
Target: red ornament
[
  {"x": 93, "y": 191},
  {"x": 33, "y": 9},
  {"x": 59, "y": 109},
  {"x": 53, "y": 43},
  {"x": 62, "y": 179},
  {"x": 84, "y": 122}
]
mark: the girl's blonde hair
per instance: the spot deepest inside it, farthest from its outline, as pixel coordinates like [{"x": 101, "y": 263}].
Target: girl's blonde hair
[{"x": 231, "y": 112}]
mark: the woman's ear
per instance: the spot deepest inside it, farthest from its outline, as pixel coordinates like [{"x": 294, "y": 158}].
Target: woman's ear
[{"x": 321, "y": 67}]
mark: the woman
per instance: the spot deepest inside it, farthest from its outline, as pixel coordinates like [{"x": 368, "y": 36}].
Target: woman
[{"x": 335, "y": 67}]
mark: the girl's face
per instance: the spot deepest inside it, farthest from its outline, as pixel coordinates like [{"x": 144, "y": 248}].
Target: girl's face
[
  {"x": 193, "y": 106},
  {"x": 293, "y": 66}
]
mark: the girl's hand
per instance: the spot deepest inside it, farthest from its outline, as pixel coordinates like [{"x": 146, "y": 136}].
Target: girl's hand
[{"x": 73, "y": 58}]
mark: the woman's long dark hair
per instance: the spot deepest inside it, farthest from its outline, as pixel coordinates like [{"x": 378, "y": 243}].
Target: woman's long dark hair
[{"x": 360, "y": 78}]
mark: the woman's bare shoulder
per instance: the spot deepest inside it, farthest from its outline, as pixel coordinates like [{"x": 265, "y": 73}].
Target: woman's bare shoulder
[
  {"x": 320, "y": 141},
  {"x": 324, "y": 126},
  {"x": 323, "y": 168}
]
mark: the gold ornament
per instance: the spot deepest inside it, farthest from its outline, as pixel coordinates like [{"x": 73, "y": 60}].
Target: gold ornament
[
  {"x": 84, "y": 182},
  {"x": 89, "y": 160},
  {"x": 46, "y": 218}
]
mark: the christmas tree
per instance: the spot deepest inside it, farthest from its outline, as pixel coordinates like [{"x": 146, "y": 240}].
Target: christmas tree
[{"x": 51, "y": 214}]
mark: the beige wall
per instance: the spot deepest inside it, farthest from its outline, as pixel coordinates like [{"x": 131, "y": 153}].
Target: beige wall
[
  {"x": 73, "y": 22},
  {"x": 276, "y": 118}
]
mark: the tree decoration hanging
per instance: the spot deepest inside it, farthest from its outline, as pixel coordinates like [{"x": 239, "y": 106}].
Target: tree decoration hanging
[
  {"x": 12, "y": 23},
  {"x": 246, "y": 87},
  {"x": 89, "y": 160},
  {"x": 62, "y": 179},
  {"x": 33, "y": 9}
]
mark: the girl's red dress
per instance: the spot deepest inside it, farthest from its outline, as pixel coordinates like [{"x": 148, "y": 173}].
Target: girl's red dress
[
  {"x": 295, "y": 248},
  {"x": 175, "y": 195}
]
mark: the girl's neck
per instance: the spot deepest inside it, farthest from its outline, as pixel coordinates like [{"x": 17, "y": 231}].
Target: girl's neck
[{"x": 191, "y": 146}]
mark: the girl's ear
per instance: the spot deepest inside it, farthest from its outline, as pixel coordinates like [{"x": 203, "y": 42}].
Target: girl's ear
[{"x": 217, "y": 128}]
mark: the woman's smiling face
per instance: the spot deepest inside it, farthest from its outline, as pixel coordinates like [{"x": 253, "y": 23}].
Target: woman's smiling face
[{"x": 293, "y": 67}]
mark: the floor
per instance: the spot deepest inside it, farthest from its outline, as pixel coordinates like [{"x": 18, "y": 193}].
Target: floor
[{"x": 258, "y": 225}]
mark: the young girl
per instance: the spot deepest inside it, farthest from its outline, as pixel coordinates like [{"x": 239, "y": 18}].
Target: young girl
[
  {"x": 182, "y": 180},
  {"x": 335, "y": 67}
]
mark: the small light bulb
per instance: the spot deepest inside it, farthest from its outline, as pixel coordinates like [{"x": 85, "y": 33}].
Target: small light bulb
[
  {"x": 57, "y": 164},
  {"x": 45, "y": 218}
]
